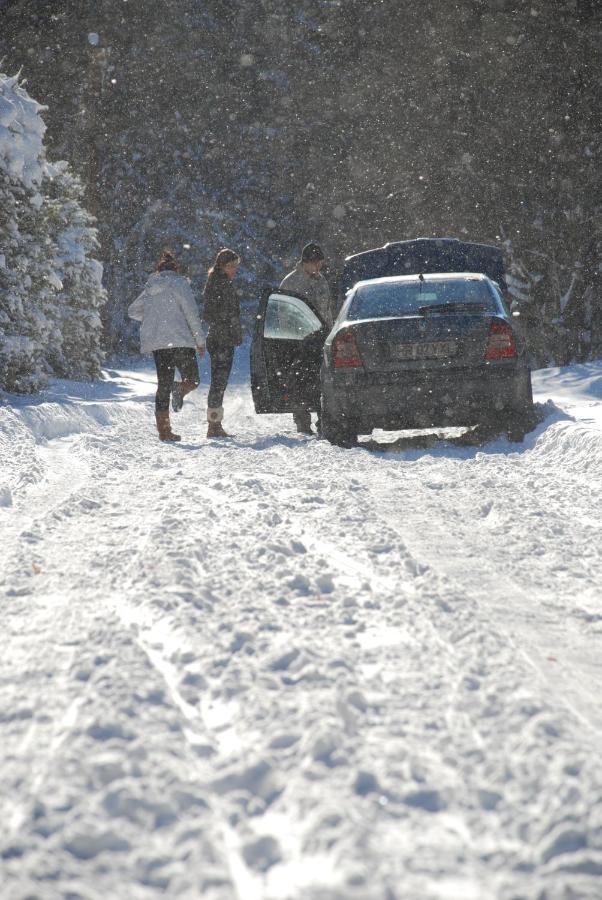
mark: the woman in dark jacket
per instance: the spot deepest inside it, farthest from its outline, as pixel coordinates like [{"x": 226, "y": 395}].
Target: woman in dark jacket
[{"x": 221, "y": 312}]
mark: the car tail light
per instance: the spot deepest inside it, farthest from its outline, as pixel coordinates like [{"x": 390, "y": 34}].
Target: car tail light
[
  {"x": 500, "y": 343},
  {"x": 345, "y": 353}
]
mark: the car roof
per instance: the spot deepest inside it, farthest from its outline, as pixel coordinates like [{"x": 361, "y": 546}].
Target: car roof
[{"x": 426, "y": 276}]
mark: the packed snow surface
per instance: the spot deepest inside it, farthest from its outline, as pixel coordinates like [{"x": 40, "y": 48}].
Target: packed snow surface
[{"x": 272, "y": 669}]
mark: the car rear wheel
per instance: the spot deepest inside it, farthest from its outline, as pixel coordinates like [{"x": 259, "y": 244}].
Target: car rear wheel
[
  {"x": 516, "y": 429},
  {"x": 521, "y": 419},
  {"x": 338, "y": 430}
]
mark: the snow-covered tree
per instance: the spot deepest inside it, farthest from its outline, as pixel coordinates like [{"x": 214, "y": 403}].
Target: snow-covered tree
[
  {"x": 26, "y": 273},
  {"x": 81, "y": 295},
  {"x": 21, "y": 344},
  {"x": 50, "y": 290}
]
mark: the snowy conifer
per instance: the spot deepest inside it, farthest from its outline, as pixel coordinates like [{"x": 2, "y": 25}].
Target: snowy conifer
[
  {"x": 25, "y": 268},
  {"x": 81, "y": 294},
  {"x": 50, "y": 290},
  {"x": 21, "y": 346}
]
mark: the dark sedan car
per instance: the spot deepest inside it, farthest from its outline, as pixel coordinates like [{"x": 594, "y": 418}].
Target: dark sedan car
[
  {"x": 409, "y": 351},
  {"x": 421, "y": 351}
]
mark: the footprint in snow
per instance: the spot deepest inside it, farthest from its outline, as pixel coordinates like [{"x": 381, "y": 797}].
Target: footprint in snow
[
  {"x": 259, "y": 780},
  {"x": 283, "y": 741},
  {"x": 263, "y": 853},
  {"x": 87, "y": 846},
  {"x": 428, "y": 800},
  {"x": 284, "y": 660},
  {"x": 300, "y": 583},
  {"x": 565, "y": 840},
  {"x": 366, "y": 783},
  {"x": 488, "y": 800},
  {"x": 325, "y": 583}
]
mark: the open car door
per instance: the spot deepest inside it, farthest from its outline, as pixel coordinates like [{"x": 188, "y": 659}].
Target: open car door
[{"x": 286, "y": 354}]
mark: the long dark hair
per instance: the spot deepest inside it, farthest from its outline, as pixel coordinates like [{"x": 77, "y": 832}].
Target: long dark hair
[
  {"x": 167, "y": 262},
  {"x": 222, "y": 259}
]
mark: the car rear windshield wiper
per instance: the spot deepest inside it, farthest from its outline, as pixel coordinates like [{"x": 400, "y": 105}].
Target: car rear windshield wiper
[{"x": 458, "y": 306}]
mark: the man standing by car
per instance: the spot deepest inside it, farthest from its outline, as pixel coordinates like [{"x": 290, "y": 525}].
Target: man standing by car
[{"x": 306, "y": 281}]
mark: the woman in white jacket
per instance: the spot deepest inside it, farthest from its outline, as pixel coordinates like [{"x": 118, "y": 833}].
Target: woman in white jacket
[{"x": 171, "y": 330}]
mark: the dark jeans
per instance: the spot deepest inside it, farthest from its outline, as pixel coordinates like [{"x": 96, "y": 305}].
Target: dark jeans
[
  {"x": 166, "y": 362},
  {"x": 222, "y": 358},
  {"x": 302, "y": 419}
]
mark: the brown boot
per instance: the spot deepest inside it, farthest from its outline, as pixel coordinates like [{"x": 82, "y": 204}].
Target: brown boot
[
  {"x": 164, "y": 427},
  {"x": 215, "y": 430},
  {"x": 214, "y": 418}
]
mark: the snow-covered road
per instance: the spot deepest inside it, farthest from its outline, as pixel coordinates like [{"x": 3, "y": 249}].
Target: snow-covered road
[{"x": 271, "y": 669}]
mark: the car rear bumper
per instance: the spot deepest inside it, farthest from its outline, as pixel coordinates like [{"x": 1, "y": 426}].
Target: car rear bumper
[{"x": 425, "y": 399}]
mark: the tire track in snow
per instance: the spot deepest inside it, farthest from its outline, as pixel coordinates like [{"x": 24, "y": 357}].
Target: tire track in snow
[
  {"x": 51, "y": 732},
  {"x": 207, "y": 725},
  {"x": 411, "y": 730},
  {"x": 56, "y": 523},
  {"x": 64, "y": 474},
  {"x": 298, "y": 863},
  {"x": 160, "y": 644},
  {"x": 295, "y": 863},
  {"x": 448, "y": 543},
  {"x": 468, "y": 554},
  {"x": 510, "y": 644},
  {"x": 343, "y": 559},
  {"x": 160, "y": 662}
]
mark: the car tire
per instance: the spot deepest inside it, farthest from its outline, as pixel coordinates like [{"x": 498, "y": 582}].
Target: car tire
[
  {"x": 516, "y": 432},
  {"x": 521, "y": 419},
  {"x": 338, "y": 431}
]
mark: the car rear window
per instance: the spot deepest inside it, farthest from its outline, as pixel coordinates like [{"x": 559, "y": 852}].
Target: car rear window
[{"x": 376, "y": 301}]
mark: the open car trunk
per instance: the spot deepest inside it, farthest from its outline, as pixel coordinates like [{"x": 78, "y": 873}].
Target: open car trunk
[{"x": 423, "y": 255}]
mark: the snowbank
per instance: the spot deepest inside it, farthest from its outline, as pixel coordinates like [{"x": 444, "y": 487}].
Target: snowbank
[{"x": 64, "y": 409}]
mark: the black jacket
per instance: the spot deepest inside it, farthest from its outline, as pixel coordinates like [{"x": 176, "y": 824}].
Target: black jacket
[{"x": 221, "y": 312}]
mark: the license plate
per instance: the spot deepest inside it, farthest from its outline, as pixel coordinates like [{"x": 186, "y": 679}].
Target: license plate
[{"x": 429, "y": 350}]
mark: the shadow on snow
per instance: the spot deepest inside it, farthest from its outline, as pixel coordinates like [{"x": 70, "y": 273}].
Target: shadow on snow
[
  {"x": 413, "y": 446},
  {"x": 466, "y": 445}
]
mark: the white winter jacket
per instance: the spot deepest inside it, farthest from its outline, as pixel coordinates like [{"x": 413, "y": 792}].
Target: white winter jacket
[{"x": 168, "y": 314}]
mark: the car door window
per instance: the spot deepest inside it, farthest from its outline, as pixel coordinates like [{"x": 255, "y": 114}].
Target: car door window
[{"x": 289, "y": 319}]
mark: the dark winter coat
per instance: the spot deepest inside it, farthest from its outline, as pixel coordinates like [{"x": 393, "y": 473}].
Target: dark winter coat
[{"x": 221, "y": 312}]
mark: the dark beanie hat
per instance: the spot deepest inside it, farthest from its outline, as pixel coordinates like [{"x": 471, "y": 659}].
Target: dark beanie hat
[{"x": 312, "y": 253}]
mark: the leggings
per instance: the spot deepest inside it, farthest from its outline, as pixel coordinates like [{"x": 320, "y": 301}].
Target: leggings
[
  {"x": 221, "y": 366},
  {"x": 166, "y": 362}
]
